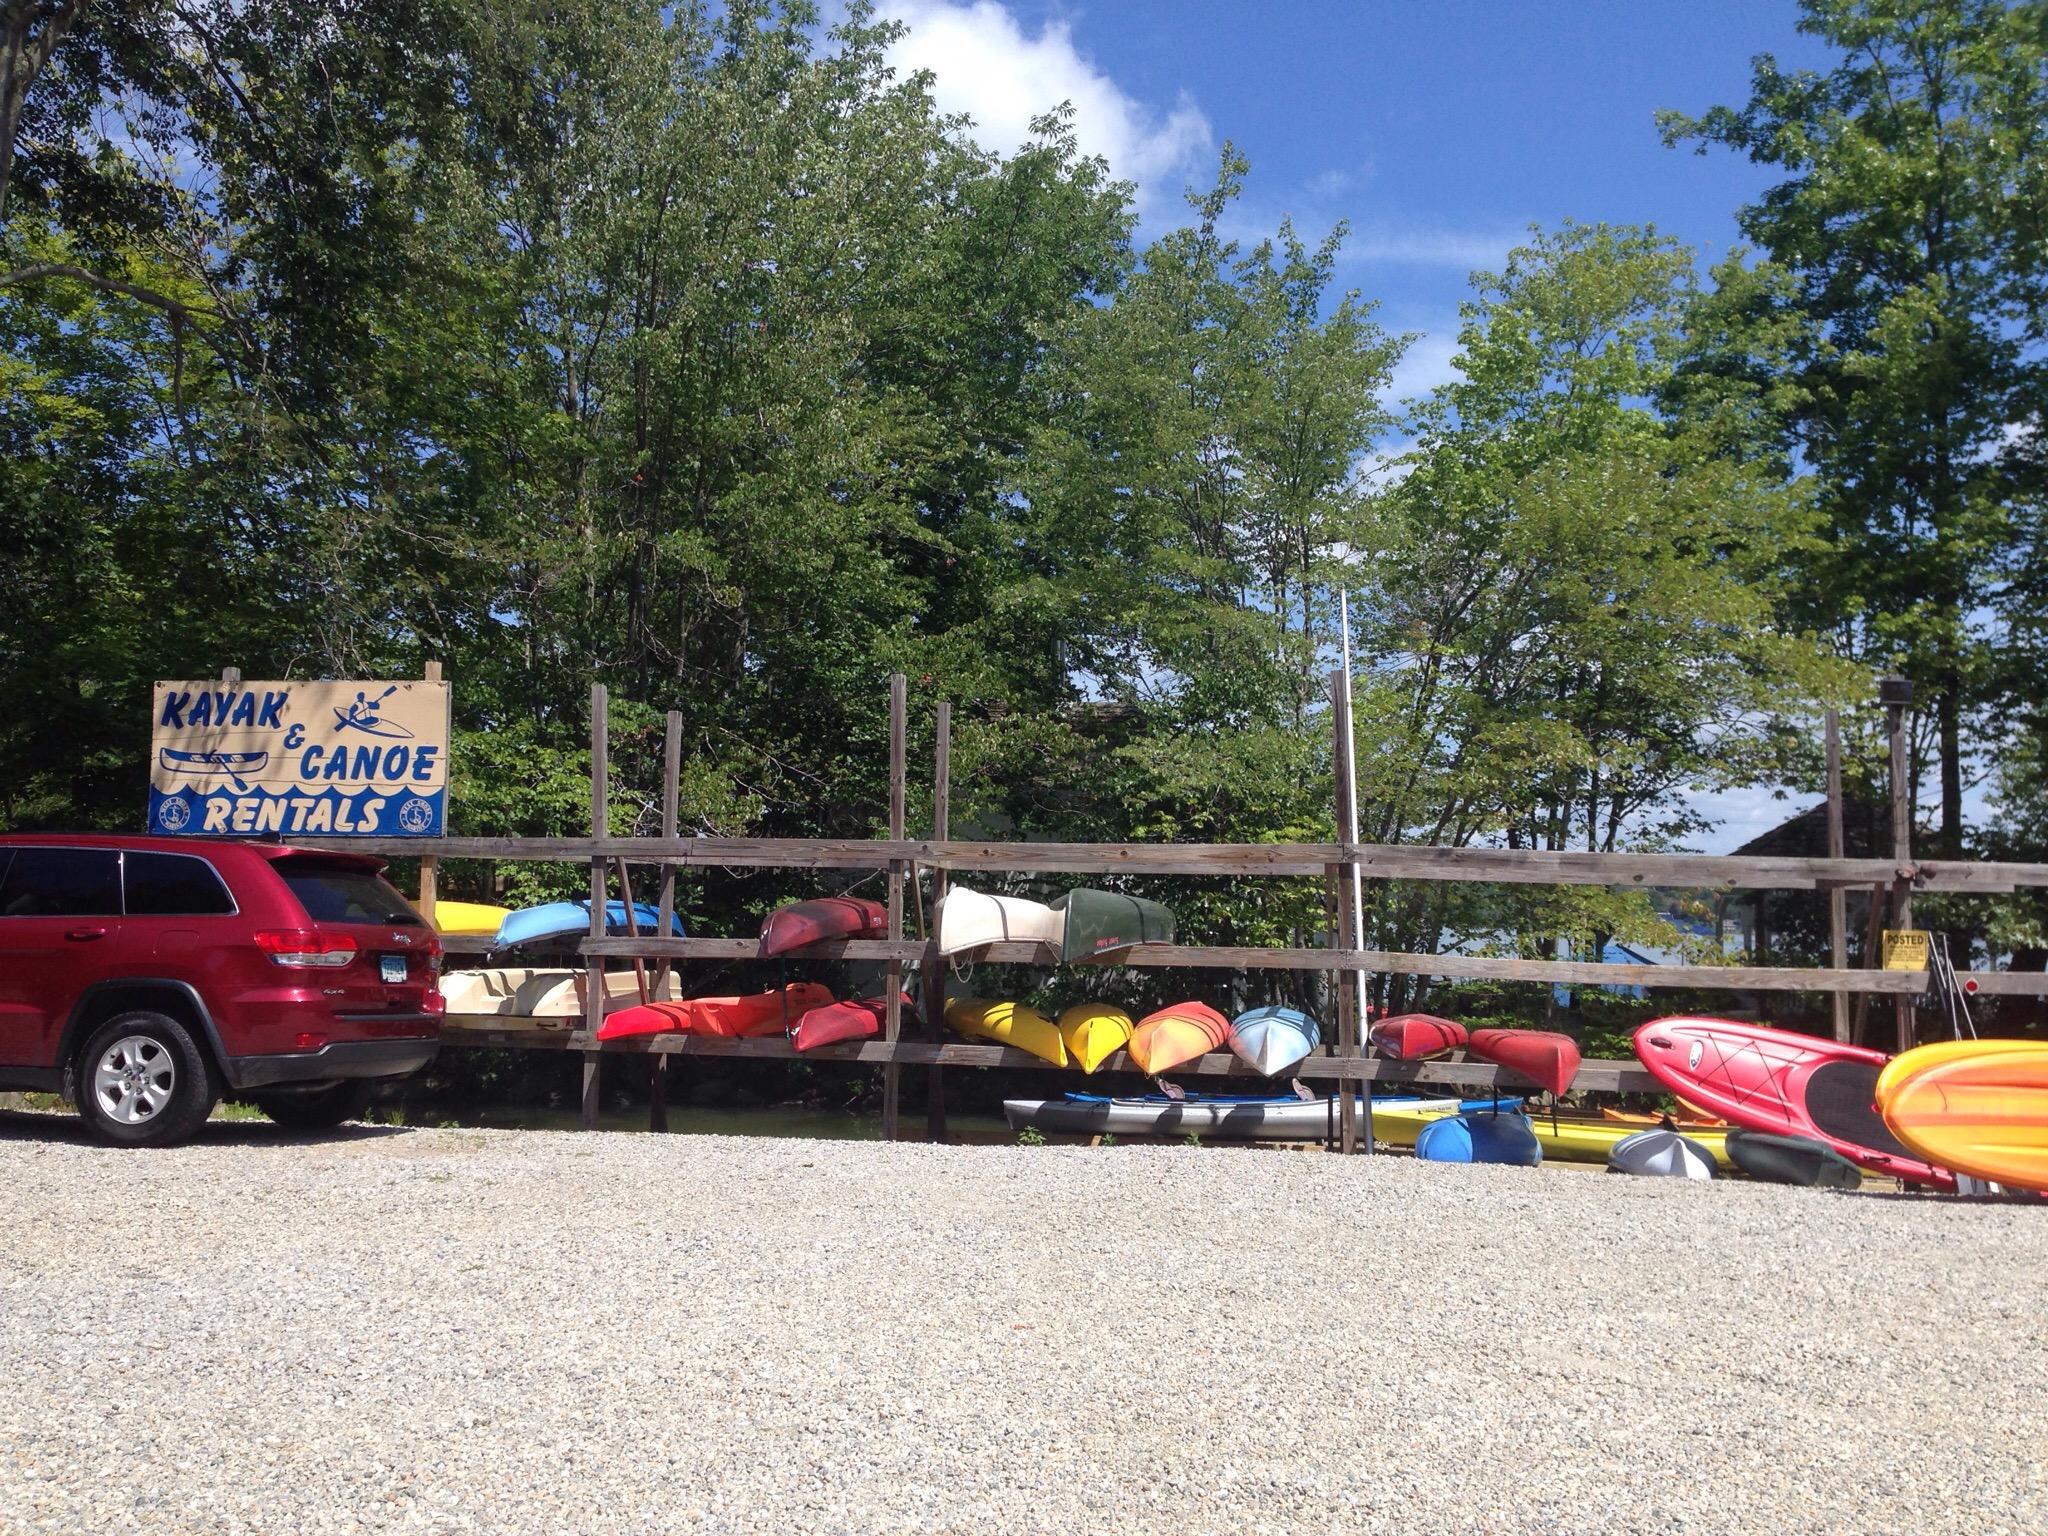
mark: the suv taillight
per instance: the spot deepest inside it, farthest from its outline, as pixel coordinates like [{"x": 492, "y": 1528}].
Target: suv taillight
[{"x": 307, "y": 948}]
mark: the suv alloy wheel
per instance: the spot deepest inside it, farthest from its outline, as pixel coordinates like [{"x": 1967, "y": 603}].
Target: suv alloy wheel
[{"x": 143, "y": 1081}]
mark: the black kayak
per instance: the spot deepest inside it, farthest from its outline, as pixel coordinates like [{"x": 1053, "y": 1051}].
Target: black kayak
[{"x": 1791, "y": 1160}]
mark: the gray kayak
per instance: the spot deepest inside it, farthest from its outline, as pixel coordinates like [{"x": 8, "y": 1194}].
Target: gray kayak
[
  {"x": 1263, "y": 1118},
  {"x": 1659, "y": 1153}
]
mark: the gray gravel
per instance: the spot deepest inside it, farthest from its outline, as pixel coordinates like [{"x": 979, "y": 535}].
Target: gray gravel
[{"x": 521, "y": 1331}]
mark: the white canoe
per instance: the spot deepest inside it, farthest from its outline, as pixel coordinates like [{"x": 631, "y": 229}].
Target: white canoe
[
  {"x": 971, "y": 920},
  {"x": 1265, "y": 1118}
]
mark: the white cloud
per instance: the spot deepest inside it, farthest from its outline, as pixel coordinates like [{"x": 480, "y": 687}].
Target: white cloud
[
  {"x": 984, "y": 64},
  {"x": 1430, "y": 361},
  {"x": 1465, "y": 250}
]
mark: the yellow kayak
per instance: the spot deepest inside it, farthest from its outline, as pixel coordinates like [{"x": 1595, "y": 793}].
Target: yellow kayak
[
  {"x": 1094, "y": 1032},
  {"x": 469, "y": 917},
  {"x": 1589, "y": 1141},
  {"x": 1011, "y": 1024}
]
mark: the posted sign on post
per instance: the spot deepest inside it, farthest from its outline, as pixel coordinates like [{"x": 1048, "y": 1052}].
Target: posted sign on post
[{"x": 299, "y": 759}]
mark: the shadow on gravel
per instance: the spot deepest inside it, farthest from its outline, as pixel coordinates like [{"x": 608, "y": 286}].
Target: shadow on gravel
[{"x": 54, "y": 1126}]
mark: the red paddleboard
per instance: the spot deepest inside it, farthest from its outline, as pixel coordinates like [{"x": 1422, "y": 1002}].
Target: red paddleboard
[
  {"x": 1417, "y": 1036},
  {"x": 731, "y": 1018},
  {"x": 830, "y": 917},
  {"x": 1785, "y": 1084},
  {"x": 857, "y": 1019},
  {"x": 1539, "y": 1054}
]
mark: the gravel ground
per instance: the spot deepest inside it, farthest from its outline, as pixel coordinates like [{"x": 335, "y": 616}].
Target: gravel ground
[{"x": 451, "y": 1331}]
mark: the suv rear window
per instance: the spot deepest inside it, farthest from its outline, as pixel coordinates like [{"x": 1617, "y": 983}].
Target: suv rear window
[
  {"x": 172, "y": 885},
  {"x": 62, "y": 882},
  {"x": 336, "y": 893}
]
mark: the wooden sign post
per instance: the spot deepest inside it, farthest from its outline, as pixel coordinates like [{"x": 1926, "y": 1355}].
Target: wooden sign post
[{"x": 600, "y": 816}]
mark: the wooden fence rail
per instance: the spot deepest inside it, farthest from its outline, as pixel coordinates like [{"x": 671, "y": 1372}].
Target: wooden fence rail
[{"x": 1497, "y": 866}]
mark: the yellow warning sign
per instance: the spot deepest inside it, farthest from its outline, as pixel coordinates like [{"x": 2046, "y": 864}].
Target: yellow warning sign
[{"x": 1905, "y": 949}]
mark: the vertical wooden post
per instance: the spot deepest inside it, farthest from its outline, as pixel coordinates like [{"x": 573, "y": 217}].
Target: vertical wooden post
[
  {"x": 1896, "y": 693},
  {"x": 892, "y": 1075},
  {"x": 665, "y": 921},
  {"x": 1347, "y": 913},
  {"x": 430, "y": 866},
  {"x": 600, "y": 818},
  {"x": 934, "y": 988},
  {"x": 1838, "y": 898}
]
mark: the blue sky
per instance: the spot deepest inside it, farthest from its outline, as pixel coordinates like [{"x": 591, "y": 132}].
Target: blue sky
[{"x": 1439, "y": 129}]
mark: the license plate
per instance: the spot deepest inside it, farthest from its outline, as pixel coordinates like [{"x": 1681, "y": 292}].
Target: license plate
[{"x": 391, "y": 967}]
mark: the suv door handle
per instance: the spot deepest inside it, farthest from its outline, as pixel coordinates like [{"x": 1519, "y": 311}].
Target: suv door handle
[{"x": 82, "y": 934}]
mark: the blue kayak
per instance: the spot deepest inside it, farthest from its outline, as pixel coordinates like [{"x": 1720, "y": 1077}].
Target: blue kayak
[
  {"x": 1480, "y": 1138},
  {"x": 567, "y": 919},
  {"x": 1272, "y": 1039}
]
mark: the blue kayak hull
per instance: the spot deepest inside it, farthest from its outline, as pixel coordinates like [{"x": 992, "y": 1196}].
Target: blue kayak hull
[
  {"x": 1480, "y": 1138},
  {"x": 566, "y": 919}
]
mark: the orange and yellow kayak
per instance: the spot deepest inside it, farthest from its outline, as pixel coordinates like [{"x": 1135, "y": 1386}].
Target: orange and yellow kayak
[
  {"x": 1975, "y": 1106},
  {"x": 1177, "y": 1034}
]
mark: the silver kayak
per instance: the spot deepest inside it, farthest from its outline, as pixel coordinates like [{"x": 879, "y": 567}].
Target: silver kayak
[{"x": 1259, "y": 1119}]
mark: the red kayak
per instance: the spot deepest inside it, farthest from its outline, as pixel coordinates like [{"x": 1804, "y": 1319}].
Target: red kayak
[
  {"x": 730, "y": 1018},
  {"x": 857, "y": 1019},
  {"x": 1541, "y": 1055},
  {"x": 1784, "y": 1084},
  {"x": 829, "y": 917},
  {"x": 1417, "y": 1036}
]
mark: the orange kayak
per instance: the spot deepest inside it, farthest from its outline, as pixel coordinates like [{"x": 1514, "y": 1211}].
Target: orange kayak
[
  {"x": 1975, "y": 1106},
  {"x": 731, "y": 1018},
  {"x": 1177, "y": 1034}
]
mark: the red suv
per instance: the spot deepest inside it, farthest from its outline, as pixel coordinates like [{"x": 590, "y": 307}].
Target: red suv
[{"x": 144, "y": 978}]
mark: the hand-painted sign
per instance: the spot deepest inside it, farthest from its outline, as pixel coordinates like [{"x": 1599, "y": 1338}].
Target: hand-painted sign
[{"x": 299, "y": 759}]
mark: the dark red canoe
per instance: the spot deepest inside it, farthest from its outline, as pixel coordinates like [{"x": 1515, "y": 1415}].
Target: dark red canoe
[
  {"x": 756, "y": 1014},
  {"x": 829, "y": 917},
  {"x": 1547, "y": 1058},
  {"x": 856, "y": 1019},
  {"x": 1417, "y": 1036}
]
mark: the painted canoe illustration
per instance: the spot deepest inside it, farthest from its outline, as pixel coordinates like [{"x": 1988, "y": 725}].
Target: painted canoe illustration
[{"x": 212, "y": 764}]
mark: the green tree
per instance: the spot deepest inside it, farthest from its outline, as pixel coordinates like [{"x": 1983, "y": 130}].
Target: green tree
[
  {"x": 1573, "y": 590},
  {"x": 1911, "y": 222}
]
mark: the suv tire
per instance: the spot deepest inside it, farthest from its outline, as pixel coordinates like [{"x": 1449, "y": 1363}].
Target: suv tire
[
  {"x": 143, "y": 1081},
  {"x": 321, "y": 1110}
]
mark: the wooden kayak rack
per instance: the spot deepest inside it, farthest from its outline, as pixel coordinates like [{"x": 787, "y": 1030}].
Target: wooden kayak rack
[{"x": 1344, "y": 1061}]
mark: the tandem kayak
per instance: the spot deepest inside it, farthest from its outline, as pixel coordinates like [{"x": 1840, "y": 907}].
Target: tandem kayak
[
  {"x": 970, "y": 920},
  {"x": 1251, "y": 1117},
  {"x": 749, "y": 1017}
]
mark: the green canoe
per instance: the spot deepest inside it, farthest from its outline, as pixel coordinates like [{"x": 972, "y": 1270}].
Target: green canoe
[{"x": 1099, "y": 922}]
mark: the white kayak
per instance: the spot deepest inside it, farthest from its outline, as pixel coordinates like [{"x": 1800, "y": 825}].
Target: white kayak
[
  {"x": 969, "y": 920},
  {"x": 1265, "y": 1117}
]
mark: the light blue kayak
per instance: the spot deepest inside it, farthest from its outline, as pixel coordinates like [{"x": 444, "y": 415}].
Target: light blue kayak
[
  {"x": 1480, "y": 1138},
  {"x": 1270, "y": 1040},
  {"x": 565, "y": 919}
]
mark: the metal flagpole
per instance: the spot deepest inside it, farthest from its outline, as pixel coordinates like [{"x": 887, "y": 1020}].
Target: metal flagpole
[{"x": 1352, "y": 874}]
